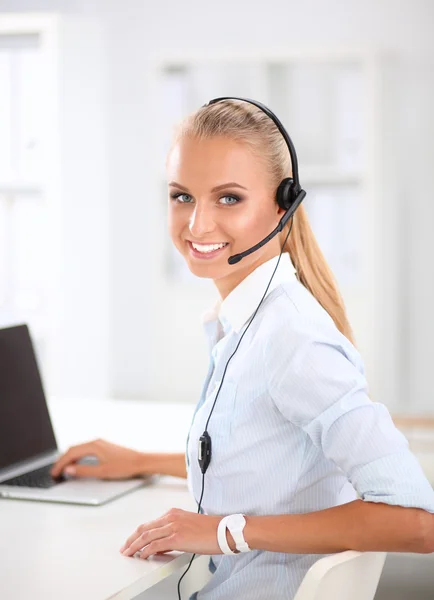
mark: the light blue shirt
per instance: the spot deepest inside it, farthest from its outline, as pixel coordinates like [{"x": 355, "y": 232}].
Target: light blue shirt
[{"x": 293, "y": 429}]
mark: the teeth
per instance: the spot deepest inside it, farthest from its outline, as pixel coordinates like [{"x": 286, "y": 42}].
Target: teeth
[{"x": 208, "y": 247}]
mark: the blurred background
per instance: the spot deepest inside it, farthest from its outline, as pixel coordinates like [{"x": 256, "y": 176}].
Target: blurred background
[{"x": 89, "y": 94}]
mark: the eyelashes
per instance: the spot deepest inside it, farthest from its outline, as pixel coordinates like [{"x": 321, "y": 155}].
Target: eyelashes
[{"x": 175, "y": 196}]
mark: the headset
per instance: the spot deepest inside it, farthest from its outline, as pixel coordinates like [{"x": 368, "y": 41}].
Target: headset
[{"x": 289, "y": 196}]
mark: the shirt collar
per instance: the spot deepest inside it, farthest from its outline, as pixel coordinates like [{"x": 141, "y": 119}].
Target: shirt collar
[{"x": 234, "y": 311}]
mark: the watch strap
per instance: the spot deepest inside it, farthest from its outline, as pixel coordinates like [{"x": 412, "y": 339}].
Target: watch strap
[
  {"x": 236, "y": 531},
  {"x": 237, "y": 534},
  {"x": 221, "y": 536}
]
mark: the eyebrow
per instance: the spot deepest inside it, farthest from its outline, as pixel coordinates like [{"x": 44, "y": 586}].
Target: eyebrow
[{"x": 214, "y": 189}]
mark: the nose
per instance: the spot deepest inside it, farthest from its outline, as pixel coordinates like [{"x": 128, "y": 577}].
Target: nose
[{"x": 201, "y": 221}]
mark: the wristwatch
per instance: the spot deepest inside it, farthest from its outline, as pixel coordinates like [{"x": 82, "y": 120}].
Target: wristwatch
[{"x": 235, "y": 523}]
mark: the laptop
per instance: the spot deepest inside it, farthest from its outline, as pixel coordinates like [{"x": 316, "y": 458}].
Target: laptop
[{"x": 28, "y": 446}]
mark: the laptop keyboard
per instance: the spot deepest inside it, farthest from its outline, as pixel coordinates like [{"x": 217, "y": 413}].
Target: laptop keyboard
[{"x": 40, "y": 478}]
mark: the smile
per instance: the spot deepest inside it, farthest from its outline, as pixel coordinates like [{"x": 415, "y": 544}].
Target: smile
[{"x": 206, "y": 250}]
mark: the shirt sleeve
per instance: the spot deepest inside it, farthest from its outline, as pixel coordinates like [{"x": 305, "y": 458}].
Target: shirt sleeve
[{"x": 316, "y": 380}]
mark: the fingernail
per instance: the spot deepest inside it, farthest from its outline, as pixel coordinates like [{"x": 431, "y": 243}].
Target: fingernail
[{"x": 70, "y": 470}]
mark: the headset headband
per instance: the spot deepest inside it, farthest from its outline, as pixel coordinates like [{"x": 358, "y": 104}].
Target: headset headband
[{"x": 280, "y": 127}]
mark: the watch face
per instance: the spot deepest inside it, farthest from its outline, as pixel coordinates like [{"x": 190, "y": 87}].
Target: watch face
[{"x": 238, "y": 520}]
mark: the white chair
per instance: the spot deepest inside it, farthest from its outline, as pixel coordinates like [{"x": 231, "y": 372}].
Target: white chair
[
  {"x": 343, "y": 576},
  {"x": 348, "y": 575}
]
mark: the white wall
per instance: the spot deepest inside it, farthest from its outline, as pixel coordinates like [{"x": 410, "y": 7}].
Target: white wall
[
  {"x": 151, "y": 355},
  {"x": 417, "y": 197}
]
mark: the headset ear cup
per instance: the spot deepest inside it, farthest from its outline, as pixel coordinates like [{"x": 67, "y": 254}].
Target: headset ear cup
[{"x": 284, "y": 194}]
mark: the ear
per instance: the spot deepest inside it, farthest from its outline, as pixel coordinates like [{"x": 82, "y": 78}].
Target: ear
[{"x": 280, "y": 211}]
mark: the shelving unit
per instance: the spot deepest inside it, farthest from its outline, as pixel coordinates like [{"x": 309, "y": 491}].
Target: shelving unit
[
  {"x": 29, "y": 174},
  {"x": 54, "y": 208}
]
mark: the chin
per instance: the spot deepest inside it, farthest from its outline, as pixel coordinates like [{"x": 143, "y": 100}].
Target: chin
[{"x": 204, "y": 271}]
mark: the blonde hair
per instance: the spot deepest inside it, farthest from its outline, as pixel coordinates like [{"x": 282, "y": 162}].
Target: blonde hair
[{"x": 246, "y": 123}]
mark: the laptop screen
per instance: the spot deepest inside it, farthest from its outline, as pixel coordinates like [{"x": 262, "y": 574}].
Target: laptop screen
[{"x": 25, "y": 425}]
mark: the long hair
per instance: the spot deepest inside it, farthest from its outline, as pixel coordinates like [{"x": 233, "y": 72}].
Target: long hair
[{"x": 246, "y": 123}]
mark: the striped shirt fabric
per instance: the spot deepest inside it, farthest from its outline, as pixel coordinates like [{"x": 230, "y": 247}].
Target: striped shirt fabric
[{"x": 293, "y": 429}]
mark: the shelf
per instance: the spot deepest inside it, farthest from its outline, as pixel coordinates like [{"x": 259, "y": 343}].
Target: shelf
[
  {"x": 280, "y": 56},
  {"x": 329, "y": 175},
  {"x": 404, "y": 421},
  {"x": 15, "y": 186}
]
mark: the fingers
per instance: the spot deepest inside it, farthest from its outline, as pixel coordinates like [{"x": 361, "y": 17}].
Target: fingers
[
  {"x": 159, "y": 539},
  {"x": 72, "y": 455},
  {"x": 98, "y": 471},
  {"x": 160, "y": 546},
  {"x": 160, "y": 522}
]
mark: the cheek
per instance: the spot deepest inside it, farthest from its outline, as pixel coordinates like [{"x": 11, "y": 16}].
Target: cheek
[{"x": 251, "y": 225}]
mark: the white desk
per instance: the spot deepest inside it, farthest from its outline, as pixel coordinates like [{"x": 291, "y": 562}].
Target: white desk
[
  {"x": 57, "y": 551},
  {"x": 67, "y": 552}
]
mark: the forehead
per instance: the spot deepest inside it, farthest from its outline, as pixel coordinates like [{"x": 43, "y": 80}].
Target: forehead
[{"x": 215, "y": 160}]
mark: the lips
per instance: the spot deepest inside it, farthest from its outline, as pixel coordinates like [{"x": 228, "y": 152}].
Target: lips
[{"x": 205, "y": 255}]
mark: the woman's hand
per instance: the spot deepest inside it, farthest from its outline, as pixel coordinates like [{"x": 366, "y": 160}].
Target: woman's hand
[
  {"x": 115, "y": 462},
  {"x": 176, "y": 530}
]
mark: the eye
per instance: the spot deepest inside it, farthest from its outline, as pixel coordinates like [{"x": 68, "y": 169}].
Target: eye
[
  {"x": 233, "y": 200},
  {"x": 181, "y": 197}
]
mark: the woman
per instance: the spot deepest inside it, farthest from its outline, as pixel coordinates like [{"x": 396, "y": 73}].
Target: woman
[{"x": 298, "y": 447}]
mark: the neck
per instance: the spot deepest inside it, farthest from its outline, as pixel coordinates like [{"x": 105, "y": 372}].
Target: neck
[{"x": 227, "y": 284}]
